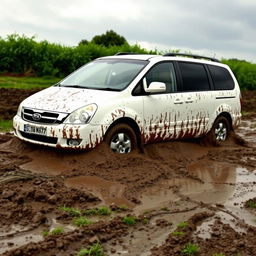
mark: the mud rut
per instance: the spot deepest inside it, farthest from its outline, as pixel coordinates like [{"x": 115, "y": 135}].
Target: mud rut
[{"x": 205, "y": 188}]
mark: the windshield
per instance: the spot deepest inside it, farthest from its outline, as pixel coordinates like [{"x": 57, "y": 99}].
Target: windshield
[{"x": 111, "y": 74}]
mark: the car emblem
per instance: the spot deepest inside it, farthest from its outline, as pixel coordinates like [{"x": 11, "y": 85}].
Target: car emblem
[{"x": 36, "y": 116}]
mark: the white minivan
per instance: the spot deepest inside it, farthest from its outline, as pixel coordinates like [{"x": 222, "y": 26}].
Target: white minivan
[{"x": 128, "y": 100}]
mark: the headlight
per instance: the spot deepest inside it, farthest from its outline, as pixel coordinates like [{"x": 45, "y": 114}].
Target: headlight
[
  {"x": 19, "y": 110},
  {"x": 82, "y": 115}
]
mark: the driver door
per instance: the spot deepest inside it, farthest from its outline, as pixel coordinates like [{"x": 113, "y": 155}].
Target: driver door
[{"x": 160, "y": 115}]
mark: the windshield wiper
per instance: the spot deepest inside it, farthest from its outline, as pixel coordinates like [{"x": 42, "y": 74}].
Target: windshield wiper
[
  {"x": 107, "y": 89},
  {"x": 74, "y": 86},
  {"x": 91, "y": 88}
]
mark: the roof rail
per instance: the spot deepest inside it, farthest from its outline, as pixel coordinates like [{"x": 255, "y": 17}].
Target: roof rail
[
  {"x": 127, "y": 53},
  {"x": 191, "y": 55}
]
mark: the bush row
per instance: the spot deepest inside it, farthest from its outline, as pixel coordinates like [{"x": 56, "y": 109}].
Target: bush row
[
  {"x": 21, "y": 54},
  {"x": 244, "y": 71}
]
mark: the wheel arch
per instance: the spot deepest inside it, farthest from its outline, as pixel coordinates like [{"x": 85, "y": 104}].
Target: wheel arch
[
  {"x": 129, "y": 121},
  {"x": 228, "y": 117}
]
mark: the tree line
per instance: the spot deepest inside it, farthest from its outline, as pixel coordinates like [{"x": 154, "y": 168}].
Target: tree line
[{"x": 24, "y": 55}]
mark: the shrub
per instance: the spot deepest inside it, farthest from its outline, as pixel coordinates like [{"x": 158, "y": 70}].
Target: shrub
[{"x": 22, "y": 54}]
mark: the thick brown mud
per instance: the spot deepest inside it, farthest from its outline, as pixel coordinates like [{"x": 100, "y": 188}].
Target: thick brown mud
[
  {"x": 176, "y": 193},
  {"x": 168, "y": 184}
]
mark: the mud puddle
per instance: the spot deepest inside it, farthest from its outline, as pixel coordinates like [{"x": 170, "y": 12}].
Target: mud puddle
[
  {"x": 8, "y": 242},
  {"x": 109, "y": 192},
  {"x": 218, "y": 187},
  {"x": 247, "y": 129},
  {"x": 140, "y": 240},
  {"x": 213, "y": 183},
  {"x": 206, "y": 229},
  {"x": 55, "y": 164},
  {"x": 18, "y": 236},
  {"x": 224, "y": 185}
]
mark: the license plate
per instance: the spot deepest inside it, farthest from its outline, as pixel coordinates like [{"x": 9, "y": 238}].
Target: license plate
[{"x": 40, "y": 130}]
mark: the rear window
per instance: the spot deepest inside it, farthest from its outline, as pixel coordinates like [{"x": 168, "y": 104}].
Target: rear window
[
  {"x": 194, "y": 77},
  {"x": 221, "y": 77}
]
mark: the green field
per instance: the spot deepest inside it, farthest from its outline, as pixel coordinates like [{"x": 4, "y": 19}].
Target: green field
[
  {"x": 27, "y": 82},
  {"x": 5, "y": 125}
]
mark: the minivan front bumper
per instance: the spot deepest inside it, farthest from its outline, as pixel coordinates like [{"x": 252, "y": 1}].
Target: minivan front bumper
[{"x": 84, "y": 136}]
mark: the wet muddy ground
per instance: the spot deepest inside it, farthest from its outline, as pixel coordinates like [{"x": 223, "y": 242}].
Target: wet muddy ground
[{"x": 176, "y": 198}]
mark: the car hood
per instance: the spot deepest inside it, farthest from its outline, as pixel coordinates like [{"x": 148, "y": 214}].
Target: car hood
[{"x": 66, "y": 99}]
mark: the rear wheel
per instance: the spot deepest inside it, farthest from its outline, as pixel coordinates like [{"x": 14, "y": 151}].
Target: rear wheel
[
  {"x": 219, "y": 132},
  {"x": 121, "y": 139},
  {"x": 221, "y": 129}
]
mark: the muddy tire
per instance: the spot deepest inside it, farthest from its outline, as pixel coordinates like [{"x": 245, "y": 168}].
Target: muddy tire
[
  {"x": 121, "y": 139},
  {"x": 219, "y": 132}
]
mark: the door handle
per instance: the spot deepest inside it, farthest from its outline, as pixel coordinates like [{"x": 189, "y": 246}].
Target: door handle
[
  {"x": 178, "y": 101},
  {"x": 189, "y": 100}
]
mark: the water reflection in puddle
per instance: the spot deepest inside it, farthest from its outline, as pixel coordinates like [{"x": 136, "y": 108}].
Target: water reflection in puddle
[
  {"x": 225, "y": 184},
  {"x": 213, "y": 183},
  {"x": 109, "y": 192}
]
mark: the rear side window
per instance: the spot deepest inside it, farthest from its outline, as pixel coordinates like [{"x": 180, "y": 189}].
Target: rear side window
[
  {"x": 221, "y": 77},
  {"x": 194, "y": 77}
]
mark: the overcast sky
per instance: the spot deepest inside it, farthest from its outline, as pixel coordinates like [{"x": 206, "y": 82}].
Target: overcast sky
[{"x": 219, "y": 28}]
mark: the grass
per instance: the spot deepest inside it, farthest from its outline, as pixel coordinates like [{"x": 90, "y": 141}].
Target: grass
[
  {"x": 123, "y": 207},
  {"x": 145, "y": 221},
  {"x": 5, "y": 125},
  {"x": 90, "y": 212},
  {"x": 93, "y": 250},
  {"x": 178, "y": 233},
  {"x": 218, "y": 254},
  {"x": 81, "y": 221},
  {"x": 190, "y": 249},
  {"x": 71, "y": 211},
  {"x": 55, "y": 231},
  {"x": 129, "y": 220},
  {"x": 27, "y": 82},
  {"x": 182, "y": 225},
  {"x": 251, "y": 204},
  {"x": 102, "y": 211},
  {"x": 147, "y": 212}
]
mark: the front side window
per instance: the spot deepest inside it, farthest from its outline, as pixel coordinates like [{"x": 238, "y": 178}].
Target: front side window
[
  {"x": 194, "y": 77},
  {"x": 163, "y": 72},
  {"x": 222, "y": 79},
  {"x": 111, "y": 74}
]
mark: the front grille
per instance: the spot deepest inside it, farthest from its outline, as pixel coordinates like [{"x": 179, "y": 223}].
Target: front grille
[
  {"x": 40, "y": 138},
  {"x": 40, "y": 116}
]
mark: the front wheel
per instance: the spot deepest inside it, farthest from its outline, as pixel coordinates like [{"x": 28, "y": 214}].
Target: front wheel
[{"x": 121, "y": 139}]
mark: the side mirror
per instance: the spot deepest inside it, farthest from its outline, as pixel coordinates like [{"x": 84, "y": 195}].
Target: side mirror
[{"x": 154, "y": 86}]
